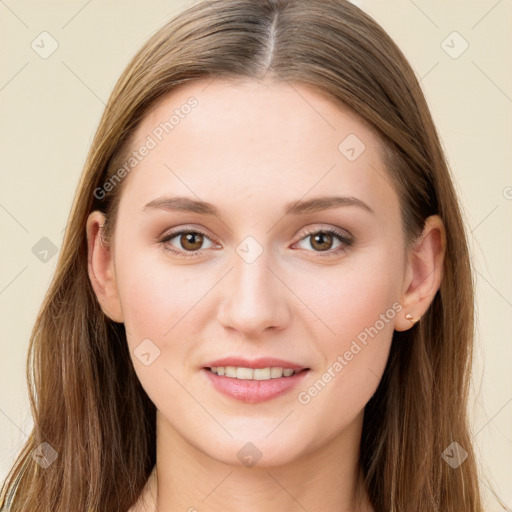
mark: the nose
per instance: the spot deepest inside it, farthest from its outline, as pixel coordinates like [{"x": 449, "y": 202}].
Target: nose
[{"x": 255, "y": 298}]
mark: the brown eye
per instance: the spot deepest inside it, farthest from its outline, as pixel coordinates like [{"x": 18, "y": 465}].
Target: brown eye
[
  {"x": 185, "y": 243},
  {"x": 321, "y": 241},
  {"x": 324, "y": 240},
  {"x": 191, "y": 241}
]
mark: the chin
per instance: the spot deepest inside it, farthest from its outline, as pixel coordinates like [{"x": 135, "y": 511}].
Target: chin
[{"x": 258, "y": 450}]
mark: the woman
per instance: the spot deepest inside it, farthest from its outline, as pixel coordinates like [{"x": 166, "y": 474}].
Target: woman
[{"x": 264, "y": 296}]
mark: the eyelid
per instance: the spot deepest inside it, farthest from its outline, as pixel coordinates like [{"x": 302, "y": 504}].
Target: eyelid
[
  {"x": 173, "y": 233},
  {"x": 346, "y": 240},
  {"x": 326, "y": 229}
]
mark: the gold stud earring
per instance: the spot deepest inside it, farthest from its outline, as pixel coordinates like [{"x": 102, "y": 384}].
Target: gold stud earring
[{"x": 411, "y": 318}]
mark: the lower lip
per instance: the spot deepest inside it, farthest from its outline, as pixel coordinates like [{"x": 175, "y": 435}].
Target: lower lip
[{"x": 254, "y": 391}]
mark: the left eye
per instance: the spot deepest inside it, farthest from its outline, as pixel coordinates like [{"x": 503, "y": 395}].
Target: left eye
[
  {"x": 322, "y": 239},
  {"x": 191, "y": 241}
]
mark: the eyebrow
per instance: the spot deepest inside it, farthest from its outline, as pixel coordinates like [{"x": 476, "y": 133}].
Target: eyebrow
[{"x": 299, "y": 207}]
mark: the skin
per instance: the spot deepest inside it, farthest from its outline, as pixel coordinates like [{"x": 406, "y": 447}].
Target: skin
[{"x": 249, "y": 148}]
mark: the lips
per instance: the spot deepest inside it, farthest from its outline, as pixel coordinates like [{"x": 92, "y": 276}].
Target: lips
[
  {"x": 261, "y": 362},
  {"x": 253, "y": 390}
]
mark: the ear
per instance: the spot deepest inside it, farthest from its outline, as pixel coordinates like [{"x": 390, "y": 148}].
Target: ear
[
  {"x": 424, "y": 273},
  {"x": 101, "y": 268}
]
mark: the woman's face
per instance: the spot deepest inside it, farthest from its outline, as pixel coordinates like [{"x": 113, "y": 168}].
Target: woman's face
[{"x": 258, "y": 282}]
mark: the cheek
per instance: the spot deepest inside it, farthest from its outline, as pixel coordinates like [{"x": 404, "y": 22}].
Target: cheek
[
  {"x": 359, "y": 306},
  {"x": 350, "y": 297},
  {"x": 157, "y": 299},
  {"x": 158, "y": 307}
]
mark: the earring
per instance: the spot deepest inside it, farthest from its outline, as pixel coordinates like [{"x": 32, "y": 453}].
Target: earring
[{"x": 411, "y": 318}]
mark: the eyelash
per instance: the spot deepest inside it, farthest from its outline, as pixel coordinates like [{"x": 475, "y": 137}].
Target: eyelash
[{"x": 346, "y": 242}]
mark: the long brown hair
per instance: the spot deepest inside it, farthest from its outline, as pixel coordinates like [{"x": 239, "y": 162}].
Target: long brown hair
[{"x": 86, "y": 400}]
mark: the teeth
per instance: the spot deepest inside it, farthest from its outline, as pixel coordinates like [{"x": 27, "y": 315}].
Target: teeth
[
  {"x": 276, "y": 372},
  {"x": 244, "y": 373},
  {"x": 262, "y": 373},
  {"x": 230, "y": 371},
  {"x": 253, "y": 373}
]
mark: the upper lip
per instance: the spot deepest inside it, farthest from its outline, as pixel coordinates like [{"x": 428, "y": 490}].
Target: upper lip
[{"x": 260, "y": 362}]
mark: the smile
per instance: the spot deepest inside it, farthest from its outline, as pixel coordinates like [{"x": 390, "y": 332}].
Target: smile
[{"x": 242, "y": 373}]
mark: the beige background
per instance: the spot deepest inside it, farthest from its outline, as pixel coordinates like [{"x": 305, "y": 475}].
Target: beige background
[{"x": 50, "y": 109}]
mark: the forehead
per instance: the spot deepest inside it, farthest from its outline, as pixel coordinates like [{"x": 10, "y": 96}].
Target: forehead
[{"x": 233, "y": 140}]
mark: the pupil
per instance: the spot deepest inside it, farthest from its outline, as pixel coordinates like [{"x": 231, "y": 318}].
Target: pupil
[
  {"x": 320, "y": 236},
  {"x": 190, "y": 239}
]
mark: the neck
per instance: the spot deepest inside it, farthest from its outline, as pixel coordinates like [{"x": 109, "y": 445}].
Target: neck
[{"x": 185, "y": 478}]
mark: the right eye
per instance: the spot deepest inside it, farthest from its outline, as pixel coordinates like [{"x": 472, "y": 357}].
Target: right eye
[{"x": 189, "y": 240}]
